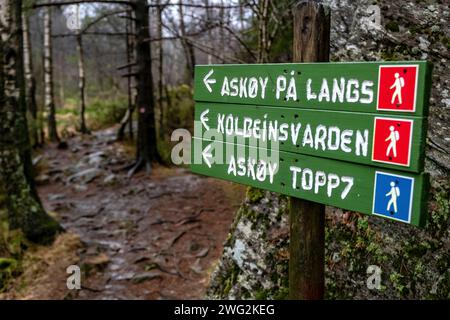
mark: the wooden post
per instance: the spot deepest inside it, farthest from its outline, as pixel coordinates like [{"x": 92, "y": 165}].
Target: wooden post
[{"x": 307, "y": 227}]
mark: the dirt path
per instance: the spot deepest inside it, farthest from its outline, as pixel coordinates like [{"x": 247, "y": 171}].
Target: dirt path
[{"x": 149, "y": 237}]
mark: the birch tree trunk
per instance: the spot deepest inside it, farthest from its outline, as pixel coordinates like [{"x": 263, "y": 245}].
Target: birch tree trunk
[
  {"x": 30, "y": 81},
  {"x": 48, "y": 77},
  {"x": 263, "y": 48},
  {"x": 81, "y": 84},
  {"x": 25, "y": 211}
]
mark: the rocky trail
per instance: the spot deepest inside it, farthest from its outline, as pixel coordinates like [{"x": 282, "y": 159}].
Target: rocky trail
[{"x": 154, "y": 236}]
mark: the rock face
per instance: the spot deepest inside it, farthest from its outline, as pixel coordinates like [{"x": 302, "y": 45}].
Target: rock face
[
  {"x": 254, "y": 261},
  {"x": 414, "y": 263}
]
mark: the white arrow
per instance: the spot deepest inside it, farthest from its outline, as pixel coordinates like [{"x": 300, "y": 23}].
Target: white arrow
[
  {"x": 208, "y": 81},
  {"x": 204, "y": 119},
  {"x": 206, "y": 154}
]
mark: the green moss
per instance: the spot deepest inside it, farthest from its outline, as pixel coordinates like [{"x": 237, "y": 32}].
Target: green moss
[
  {"x": 282, "y": 294},
  {"x": 246, "y": 294},
  {"x": 8, "y": 268},
  {"x": 395, "y": 52},
  {"x": 261, "y": 294},
  {"x": 437, "y": 224},
  {"x": 415, "y": 29},
  {"x": 389, "y": 55},
  {"x": 248, "y": 213},
  {"x": 398, "y": 281},
  {"x": 230, "y": 279},
  {"x": 392, "y": 26},
  {"x": 442, "y": 287},
  {"x": 7, "y": 263},
  {"x": 445, "y": 41},
  {"x": 276, "y": 292},
  {"x": 283, "y": 208},
  {"x": 100, "y": 112},
  {"x": 254, "y": 194},
  {"x": 414, "y": 248}
]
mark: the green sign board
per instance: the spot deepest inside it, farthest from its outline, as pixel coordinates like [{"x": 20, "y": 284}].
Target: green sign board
[
  {"x": 346, "y": 185},
  {"x": 372, "y": 87},
  {"x": 350, "y": 135}
]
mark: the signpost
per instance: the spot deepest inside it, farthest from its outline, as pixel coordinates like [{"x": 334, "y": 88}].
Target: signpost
[
  {"x": 338, "y": 183},
  {"x": 346, "y": 86},
  {"x": 350, "y": 135}
]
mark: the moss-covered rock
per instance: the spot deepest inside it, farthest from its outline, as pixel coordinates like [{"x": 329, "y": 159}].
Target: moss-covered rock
[{"x": 254, "y": 261}]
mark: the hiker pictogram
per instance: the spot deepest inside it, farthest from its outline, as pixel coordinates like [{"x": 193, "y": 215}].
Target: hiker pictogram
[
  {"x": 398, "y": 84},
  {"x": 397, "y": 87},
  {"x": 394, "y": 193},
  {"x": 392, "y": 140},
  {"x": 393, "y": 137},
  {"x": 392, "y": 196}
]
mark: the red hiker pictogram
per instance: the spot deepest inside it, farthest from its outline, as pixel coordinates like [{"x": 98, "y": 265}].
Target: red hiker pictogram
[
  {"x": 397, "y": 86},
  {"x": 393, "y": 137},
  {"x": 392, "y": 141}
]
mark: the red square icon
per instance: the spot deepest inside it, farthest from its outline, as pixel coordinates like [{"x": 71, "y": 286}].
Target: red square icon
[
  {"x": 397, "y": 87},
  {"x": 392, "y": 139}
]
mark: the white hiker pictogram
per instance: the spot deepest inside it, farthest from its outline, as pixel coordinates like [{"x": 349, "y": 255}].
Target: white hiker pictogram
[
  {"x": 394, "y": 194},
  {"x": 394, "y": 136},
  {"x": 398, "y": 84}
]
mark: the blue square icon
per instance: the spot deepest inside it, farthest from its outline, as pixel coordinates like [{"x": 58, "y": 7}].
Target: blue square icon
[{"x": 392, "y": 196}]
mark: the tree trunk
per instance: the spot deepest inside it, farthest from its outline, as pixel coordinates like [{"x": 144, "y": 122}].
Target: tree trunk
[
  {"x": 30, "y": 81},
  {"x": 160, "y": 68},
  {"x": 128, "y": 117},
  {"x": 130, "y": 57},
  {"x": 187, "y": 46},
  {"x": 24, "y": 208},
  {"x": 241, "y": 13},
  {"x": 263, "y": 49},
  {"x": 222, "y": 33},
  {"x": 48, "y": 77},
  {"x": 81, "y": 84},
  {"x": 209, "y": 23},
  {"x": 146, "y": 150}
]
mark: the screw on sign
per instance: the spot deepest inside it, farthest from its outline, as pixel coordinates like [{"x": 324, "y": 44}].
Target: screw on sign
[
  {"x": 397, "y": 88},
  {"x": 392, "y": 141}
]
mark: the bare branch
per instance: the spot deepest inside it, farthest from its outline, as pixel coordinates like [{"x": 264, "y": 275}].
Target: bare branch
[
  {"x": 127, "y": 65},
  {"x": 204, "y": 48},
  {"x": 99, "y": 18},
  {"x": 93, "y": 33},
  {"x": 130, "y": 3},
  {"x": 134, "y": 74},
  {"x": 72, "y": 2}
]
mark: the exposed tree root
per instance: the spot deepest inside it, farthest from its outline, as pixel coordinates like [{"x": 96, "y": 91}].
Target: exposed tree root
[{"x": 135, "y": 167}]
